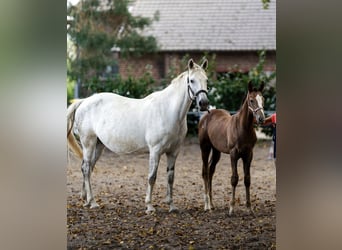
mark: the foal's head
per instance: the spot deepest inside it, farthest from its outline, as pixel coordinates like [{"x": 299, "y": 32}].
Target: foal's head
[
  {"x": 197, "y": 81},
  {"x": 255, "y": 102}
]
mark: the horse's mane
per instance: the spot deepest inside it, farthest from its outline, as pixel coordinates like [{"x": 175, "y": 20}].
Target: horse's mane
[{"x": 196, "y": 67}]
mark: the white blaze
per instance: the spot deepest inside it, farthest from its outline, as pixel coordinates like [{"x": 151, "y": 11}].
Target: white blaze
[{"x": 259, "y": 101}]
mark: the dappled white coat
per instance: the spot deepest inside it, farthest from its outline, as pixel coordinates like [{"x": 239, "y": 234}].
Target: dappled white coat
[
  {"x": 126, "y": 125},
  {"x": 156, "y": 123}
]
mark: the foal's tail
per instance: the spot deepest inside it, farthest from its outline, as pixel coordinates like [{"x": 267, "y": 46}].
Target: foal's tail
[{"x": 70, "y": 135}]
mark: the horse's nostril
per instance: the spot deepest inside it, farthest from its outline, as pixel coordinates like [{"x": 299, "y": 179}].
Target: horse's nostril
[{"x": 203, "y": 102}]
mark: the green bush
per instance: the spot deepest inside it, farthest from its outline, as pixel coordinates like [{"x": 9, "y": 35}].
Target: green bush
[
  {"x": 230, "y": 89},
  {"x": 70, "y": 90},
  {"x": 131, "y": 87}
]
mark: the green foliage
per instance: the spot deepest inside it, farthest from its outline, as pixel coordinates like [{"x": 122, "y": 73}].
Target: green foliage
[
  {"x": 131, "y": 87},
  {"x": 229, "y": 90},
  {"x": 265, "y": 3},
  {"x": 99, "y": 26},
  {"x": 70, "y": 90}
]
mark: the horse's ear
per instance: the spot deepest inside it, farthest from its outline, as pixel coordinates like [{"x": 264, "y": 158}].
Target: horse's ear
[
  {"x": 261, "y": 88},
  {"x": 205, "y": 64},
  {"x": 250, "y": 86},
  {"x": 191, "y": 64}
]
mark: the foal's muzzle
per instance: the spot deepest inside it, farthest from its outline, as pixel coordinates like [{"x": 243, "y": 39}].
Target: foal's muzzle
[
  {"x": 260, "y": 117},
  {"x": 259, "y": 114}
]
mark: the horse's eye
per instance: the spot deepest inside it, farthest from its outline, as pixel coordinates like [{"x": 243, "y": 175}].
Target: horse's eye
[{"x": 192, "y": 81}]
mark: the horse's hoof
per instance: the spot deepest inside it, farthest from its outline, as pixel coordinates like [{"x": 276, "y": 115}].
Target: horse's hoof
[
  {"x": 94, "y": 205},
  {"x": 173, "y": 209},
  {"x": 150, "y": 209}
]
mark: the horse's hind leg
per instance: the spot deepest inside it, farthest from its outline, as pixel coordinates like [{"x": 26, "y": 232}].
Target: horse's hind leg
[
  {"x": 89, "y": 148},
  {"x": 234, "y": 178},
  {"x": 205, "y": 150},
  {"x": 98, "y": 152},
  {"x": 247, "y": 159},
  {"x": 216, "y": 155},
  {"x": 171, "y": 160}
]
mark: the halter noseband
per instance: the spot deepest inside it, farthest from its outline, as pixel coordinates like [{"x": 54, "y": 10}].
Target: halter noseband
[
  {"x": 194, "y": 95},
  {"x": 254, "y": 110}
]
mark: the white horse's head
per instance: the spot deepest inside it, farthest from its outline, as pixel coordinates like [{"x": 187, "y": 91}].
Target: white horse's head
[{"x": 197, "y": 81}]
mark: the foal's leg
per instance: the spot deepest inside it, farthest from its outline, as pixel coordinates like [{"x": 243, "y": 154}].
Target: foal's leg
[
  {"x": 205, "y": 150},
  {"x": 152, "y": 176},
  {"x": 247, "y": 159},
  {"x": 214, "y": 160},
  {"x": 171, "y": 160},
  {"x": 234, "y": 178}
]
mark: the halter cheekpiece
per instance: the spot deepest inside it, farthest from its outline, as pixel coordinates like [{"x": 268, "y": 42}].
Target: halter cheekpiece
[
  {"x": 194, "y": 95},
  {"x": 254, "y": 110}
]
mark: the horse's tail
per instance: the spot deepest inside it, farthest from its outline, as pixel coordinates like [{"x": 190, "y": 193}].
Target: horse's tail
[{"x": 70, "y": 135}]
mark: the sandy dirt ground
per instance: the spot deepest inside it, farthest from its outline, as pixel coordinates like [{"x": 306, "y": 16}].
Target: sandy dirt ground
[{"x": 119, "y": 185}]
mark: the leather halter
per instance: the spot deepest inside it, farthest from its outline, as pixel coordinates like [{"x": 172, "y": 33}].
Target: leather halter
[
  {"x": 194, "y": 95},
  {"x": 253, "y": 110}
]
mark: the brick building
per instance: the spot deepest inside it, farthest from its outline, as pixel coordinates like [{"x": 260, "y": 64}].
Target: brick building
[{"x": 235, "y": 30}]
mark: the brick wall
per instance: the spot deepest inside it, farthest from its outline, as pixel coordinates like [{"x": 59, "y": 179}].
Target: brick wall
[{"x": 159, "y": 64}]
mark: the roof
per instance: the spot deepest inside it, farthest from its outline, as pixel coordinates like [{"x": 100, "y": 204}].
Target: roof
[{"x": 210, "y": 25}]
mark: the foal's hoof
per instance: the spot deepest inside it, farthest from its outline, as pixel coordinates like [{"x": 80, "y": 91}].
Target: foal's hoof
[
  {"x": 250, "y": 211},
  {"x": 231, "y": 211}
]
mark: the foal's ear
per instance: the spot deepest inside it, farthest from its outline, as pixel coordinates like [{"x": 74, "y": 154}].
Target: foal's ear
[
  {"x": 250, "y": 86},
  {"x": 205, "y": 64},
  {"x": 191, "y": 64},
  {"x": 261, "y": 88}
]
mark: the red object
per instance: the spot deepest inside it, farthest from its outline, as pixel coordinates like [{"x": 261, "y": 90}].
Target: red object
[{"x": 274, "y": 118}]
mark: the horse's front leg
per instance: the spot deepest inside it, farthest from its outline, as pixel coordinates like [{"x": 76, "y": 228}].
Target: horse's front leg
[
  {"x": 152, "y": 176},
  {"x": 234, "y": 178},
  {"x": 171, "y": 160},
  {"x": 247, "y": 178}
]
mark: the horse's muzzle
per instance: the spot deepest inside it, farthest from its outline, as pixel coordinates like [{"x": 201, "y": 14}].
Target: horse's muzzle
[
  {"x": 203, "y": 104},
  {"x": 261, "y": 120}
]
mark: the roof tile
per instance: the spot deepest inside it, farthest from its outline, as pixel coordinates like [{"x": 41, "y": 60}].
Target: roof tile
[{"x": 211, "y": 25}]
